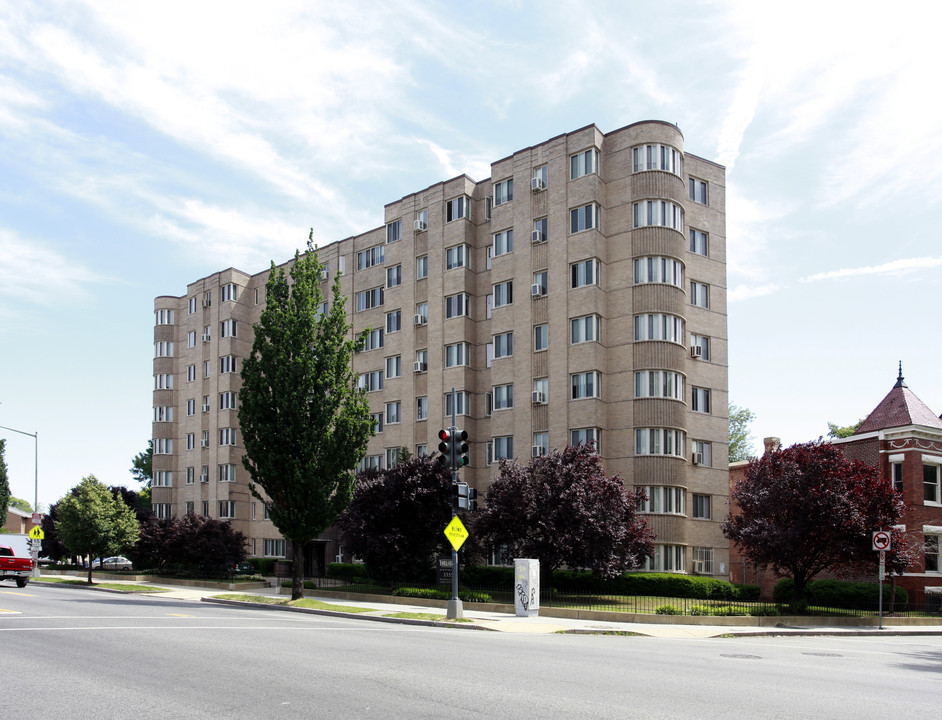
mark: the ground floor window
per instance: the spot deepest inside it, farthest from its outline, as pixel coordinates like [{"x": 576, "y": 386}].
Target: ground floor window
[
  {"x": 667, "y": 558},
  {"x": 274, "y": 548},
  {"x": 932, "y": 553}
]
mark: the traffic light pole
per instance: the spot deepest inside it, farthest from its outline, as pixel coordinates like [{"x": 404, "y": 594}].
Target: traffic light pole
[{"x": 455, "y": 609}]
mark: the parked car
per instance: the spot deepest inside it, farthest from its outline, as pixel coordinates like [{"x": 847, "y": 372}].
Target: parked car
[{"x": 118, "y": 562}]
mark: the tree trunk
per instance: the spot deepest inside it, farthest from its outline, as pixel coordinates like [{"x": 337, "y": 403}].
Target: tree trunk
[
  {"x": 297, "y": 579},
  {"x": 89, "y": 572}
]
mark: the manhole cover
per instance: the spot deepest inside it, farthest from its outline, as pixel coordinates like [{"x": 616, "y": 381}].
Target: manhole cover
[
  {"x": 823, "y": 654},
  {"x": 741, "y": 656}
]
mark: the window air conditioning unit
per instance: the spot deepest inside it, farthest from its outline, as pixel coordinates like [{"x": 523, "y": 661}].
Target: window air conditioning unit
[
  {"x": 207, "y": 303},
  {"x": 204, "y": 478},
  {"x": 420, "y": 226},
  {"x": 419, "y": 366},
  {"x": 420, "y": 319},
  {"x": 698, "y": 458},
  {"x": 537, "y": 236},
  {"x": 324, "y": 274},
  {"x": 538, "y": 398},
  {"x": 205, "y": 407},
  {"x": 536, "y": 290},
  {"x": 206, "y": 337},
  {"x": 696, "y": 351},
  {"x": 537, "y": 451},
  {"x": 537, "y": 184},
  {"x": 204, "y": 443}
]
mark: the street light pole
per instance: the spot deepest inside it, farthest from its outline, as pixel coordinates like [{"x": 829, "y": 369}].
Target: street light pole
[{"x": 35, "y": 437}]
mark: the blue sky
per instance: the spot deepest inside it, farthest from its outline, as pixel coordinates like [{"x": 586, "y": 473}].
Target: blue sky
[{"x": 145, "y": 145}]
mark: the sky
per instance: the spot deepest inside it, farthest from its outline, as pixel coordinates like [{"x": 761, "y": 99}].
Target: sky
[{"x": 145, "y": 145}]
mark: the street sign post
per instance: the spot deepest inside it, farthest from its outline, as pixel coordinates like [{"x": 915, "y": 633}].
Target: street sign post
[{"x": 881, "y": 542}]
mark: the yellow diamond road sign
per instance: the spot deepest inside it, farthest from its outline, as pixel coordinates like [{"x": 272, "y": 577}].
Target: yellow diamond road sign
[
  {"x": 37, "y": 533},
  {"x": 456, "y": 533}
]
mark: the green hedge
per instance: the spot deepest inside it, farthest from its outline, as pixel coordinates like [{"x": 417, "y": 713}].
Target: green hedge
[
  {"x": 837, "y": 593},
  {"x": 657, "y": 584},
  {"x": 438, "y": 594},
  {"x": 347, "y": 571},
  {"x": 263, "y": 566},
  {"x": 488, "y": 576}
]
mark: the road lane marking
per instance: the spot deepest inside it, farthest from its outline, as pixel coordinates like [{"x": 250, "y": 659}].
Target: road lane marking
[
  {"x": 180, "y": 615},
  {"x": 9, "y": 612},
  {"x": 14, "y": 592}
]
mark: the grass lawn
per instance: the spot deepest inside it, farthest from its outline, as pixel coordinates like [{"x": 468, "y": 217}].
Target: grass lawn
[
  {"x": 435, "y": 617},
  {"x": 126, "y": 587},
  {"x": 302, "y": 603}
]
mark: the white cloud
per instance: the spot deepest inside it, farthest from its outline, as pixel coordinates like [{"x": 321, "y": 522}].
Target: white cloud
[
  {"x": 895, "y": 267},
  {"x": 746, "y": 292}
]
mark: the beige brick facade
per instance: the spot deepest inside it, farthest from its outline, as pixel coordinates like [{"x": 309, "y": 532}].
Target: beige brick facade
[{"x": 598, "y": 230}]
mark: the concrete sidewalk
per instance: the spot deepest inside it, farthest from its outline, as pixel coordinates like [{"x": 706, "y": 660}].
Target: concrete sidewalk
[{"x": 503, "y": 622}]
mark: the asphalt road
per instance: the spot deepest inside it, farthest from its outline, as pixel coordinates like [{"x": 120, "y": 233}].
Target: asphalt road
[{"x": 67, "y": 653}]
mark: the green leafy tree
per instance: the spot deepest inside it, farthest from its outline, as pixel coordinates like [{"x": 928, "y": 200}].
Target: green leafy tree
[
  {"x": 740, "y": 441},
  {"x": 304, "y": 422},
  {"x": 142, "y": 465},
  {"x": 842, "y": 431},
  {"x": 4, "y": 483},
  {"x": 20, "y": 504},
  {"x": 92, "y": 521}
]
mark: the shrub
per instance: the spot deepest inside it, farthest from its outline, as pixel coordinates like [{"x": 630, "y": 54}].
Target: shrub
[
  {"x": 439, "y": 594},
  {"x": 263, "y": 566},
  {"x": 347, "y": 571},
  {"x": 668, "y": 610},
  {"x": 700, "y": 610},
  {"x": 728, "y": 611},
  {"x": 837, "y": 593},
  {"x": 763, "y": 611},
  {"x": 747, "y": 593}
]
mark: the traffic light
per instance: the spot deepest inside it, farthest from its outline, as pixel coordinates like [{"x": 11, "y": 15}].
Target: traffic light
[
  {"x": 447, "y": 447},
  {"x": 472, "y": 499},
  {"x": 462, "y": 448},
  {"x": 460, "y": 496}
]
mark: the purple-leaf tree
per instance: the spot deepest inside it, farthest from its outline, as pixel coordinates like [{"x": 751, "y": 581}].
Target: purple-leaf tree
[
  {"x": 563, "y": 510},
  {"x": 805, "y": 509}
]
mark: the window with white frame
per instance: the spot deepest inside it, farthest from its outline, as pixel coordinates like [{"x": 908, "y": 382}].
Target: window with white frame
[
  {"x": 457, "y": 305},
  {"x": 370, "y": 381},
  {"x": 932, "y": 553},
  {"x": 205, "y": 439},
  {"x": 394, "y": 276},
  {"x": 702, "y": 560},
  {"x": 370, "y": 257},
  {"x": 503, "y": 293},
  {"x": 421, "y": 449},
  {"x": 461, "y": 401},
  {"x": 659, "y": 270},
  {"x": 586, "y": 436},
  {"x": 702, "y": 506},
  {"x": 659, "y": 383},
  {"x": 702, "y": 452},
  {"x": 421, "y": 357},
  {"x": 163, "y": 413},
  {"x": 163, "y": 478},
  {"x": 587, "y": 328},
  {"x": 540, "y": 337},
  {"x": 667, "y": 558},
  {"x": 227, "y": 436},
  {"x": 227, "y": 509},
  {"x": 421, "y": 221},
  {"x": 373, "y": 340},
  {"x": 393, "y": 366},
  {"x": 273, "y": 548},
  {"x": 658, "y": 213},
  {"x": 163, "y": 349},
  {"x": 663, "y": 499},
  {"x": 541, "y": 390},
  {"x": 503, "y": 397},
  {"x": 700, "y": 399},
  {"x": 163, "y": 446},
  {"x": 698, "y": 190},
  {"x": 377, "y": 419},
  {"x": 457, "y": 256},
  {"x": 321, "y": 310},
  {"x": 191, "y": 441},
  {"x": 207, "y": 368},
  {"x": 207, "y": 332},
  {"x": 191, "y": 407},
  {"x": 699, "y": 294},
  {"x": 227, "y": 472},
  {"x": 190, "y": 373},
  {"x": 163, "y": 381},
  {"x": 393, "y": 412},
  {"x": 457, "y": 354},
  {"x": 394, "y": 231},
  {"x": 458, "y": 208},
  {"x": 659, "y": 326},
  {"x": 699, "y": 242},
  {"x": 227, "y": 364},
  {"x": 586, "y": 385},
  {"x": 896, "y": 472},
  {"x": 541, "y": 175},
  {"x": 700, "y": 346},
  {"x": 503, "y": 191},
  {"x": 660, "y": 441},
  {"x": 162, "y": 511},
  {"x": 503, "y": 345},
  {"x": 582, "y": 218},
  {"x": 227, "y": 328},
  {"x": 191, "y": 305},
  {"x": 191, "y": 338},
  {"x": 584, "y": 272},
  {"x": 393, "y": 456},
  {"x": 370, "y": 461},
  {"x": 540, "y": 230},
  {"x": 190, "y": 475},
  {"x": 229, "y": 293},
  {"x": 164, "y": 317},
  {"x": 504, "y": 447},
  {"x": 208, "y": 298},
  {"x": 421, "y": 309},
  {"x": 393, "y": 321},
  {"x": 421, "y": 408},
  {"x": 540, "y": 444},
  {"x": 421, "y": 267},
  {"x": 503, "y": 242},
  {"x": 367, "y": 299},
  {"x": 540, "y": 282},
  {"x": 583, "y": 163},
  {"x": 657, "y": 157},
  {"x": 189, "y": 507},
  {"x": 930, "y": 480}
]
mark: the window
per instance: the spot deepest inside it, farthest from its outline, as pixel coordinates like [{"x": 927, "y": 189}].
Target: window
[
  {"x": 161, "y": 510},
  {"x": 932, "y": 553},
  {"x": 667, "y": 558},
  {"x": 393, "y": 366},
  {"x": 658, "y": 326},
  {"x": 421, "y": 267},
  {"x": 394, "y": 321},
  {"x": 583, "y": 163},
  {"x": 163, "y": 381},
  {"x": 227, "y": 436},
  {"x": 659, "y": 270},
  {"x": 191, "y": 441},
  {"x": 584, "y": 273},
  {"x": 190, "y": 373},
  {"x": 702, "y": 560},
  {"x": 540, "y": 177},
  {"x": 165, "y": 317},
  {"x": 659, "y": 383},
  {"x": 370, "y": 381},
  {"x": 191, "y": 305},
  {"x": 541, "y": 390},
  {"x": 699, "y": 242},
  {"x": 702, "y": 453},
  {"x": 585, "y": 385},
  {"x": 457, "y": 354},
  {"x": 540, "y": 444},
  {"x": 586, "y": 436},
  {"x": 421, "y": 221},
  {"x": 421, "y": 408},
  {"x": 504, "y": 447},
  {"x": 457, "y": 256},
  {"x": 190, "y": 475},
  {"x": 207, "y": 330},
  {"x": 371, "y": 461},
  {"x": 373, "y": 340},
  {"x": 930, "y": 482},
  {"x": 208, "y": 299},
  {"x": 660, "y": 441},
  {"x": 702, "y": 507},
  {"x": 227, "y": 364},
  {"x": 700, "y": 346},
  {"x": 191, "y": 338},
  {"x": 205, "y": 439},
  {"x": 394, "y": 231},
  {"x": 393, "y": 456},
  {"x": 540, "y": 337},
  {"x": 394, "y": 276},
  {"x": 421, "y": 359},
  {"x": 163, "y": 349},
  {"x": 273, "y": 548},
  {"x": 163, "y": 446},
  {"x": 698, "y": 190},
  {"x": 584, "y": 218},
  {"x": 897, "y": 473},
  {"x": 207, "y": 368},
  {"x": 488, "y": 204},
  {"x": 163, "y": 413},
  {"x": 191, "y": 406},
  {"x": 699, "y": 294},
  {"x": 321, "y": 310},
  {"x": 458, "y": 208},
  {"x": 457, "y": 305},
  {"x": 369, "y": 299},
  {"x": 585, "y": 329},
  {"x": 189, "y": 507},
  {"x": 663, "y": 499},
  {"x": 658, "y": 213},
  {"x": 421, "y": 449},
  {"x": 503, "y": 293},
  {"x": 393, "y": 413},
  {"x": 227, "y": 510},
  {"x": 540, "y": 283},
  {"x": 503, "y": 242},
  {"x": 462, "y": 403},
  {"x": 656, "y": 157},
  {"x": 503, "y": 192},
  {"x": 421, "y": 310},
  {"x": 227, "y": 328},
  {"x": 540, "y": 230},
  {"x": 163, "y": 478},
  {"x": 503, "y": 345},
  {"x": 370, "y": 257},
  {"x": 700, "y": 400},
  {"x": 229, "y": 293},
  {"x": 227, "y": 473},
  {"x": 377, "y": 422},
  {"x": 503, "y": 397}
]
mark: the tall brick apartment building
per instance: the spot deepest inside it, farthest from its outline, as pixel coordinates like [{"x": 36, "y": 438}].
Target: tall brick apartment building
[{"x": 578, "y": 294}]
